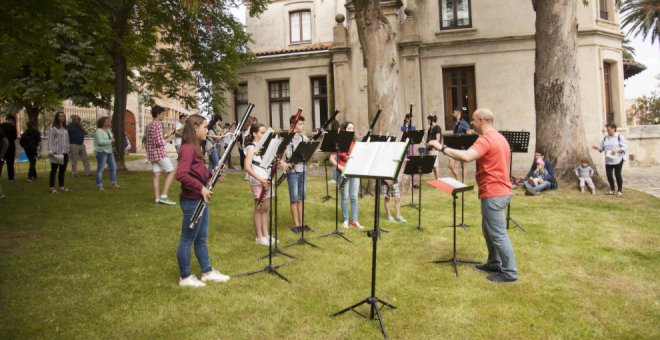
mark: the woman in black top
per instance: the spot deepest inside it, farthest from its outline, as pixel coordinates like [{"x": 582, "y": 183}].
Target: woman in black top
[
  {"x": 30, "y": 140},
  {"x": 434, "y": 133}
]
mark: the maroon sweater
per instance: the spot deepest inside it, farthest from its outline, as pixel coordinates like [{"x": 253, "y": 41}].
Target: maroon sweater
[{"x": 192, "y": 173}]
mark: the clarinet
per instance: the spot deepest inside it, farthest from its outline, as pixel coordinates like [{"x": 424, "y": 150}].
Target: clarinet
[
  {"x": 273, "y": 169},
  {"x": 372, "y": 126},
  {"x": 199, "y": 209}
]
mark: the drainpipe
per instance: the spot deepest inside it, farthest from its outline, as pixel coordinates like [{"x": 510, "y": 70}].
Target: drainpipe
[{"x": 421, "y": 86}]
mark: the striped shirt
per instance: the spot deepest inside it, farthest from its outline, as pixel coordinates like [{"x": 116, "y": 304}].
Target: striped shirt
[
  {"x": 58, "y": 141},
  {"x": 155, "y": 141}
]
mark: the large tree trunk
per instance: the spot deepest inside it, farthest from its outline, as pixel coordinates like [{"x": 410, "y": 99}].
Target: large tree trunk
[
  {"x": 559, "y": 125},
  {"x": 120, "y": 68}
]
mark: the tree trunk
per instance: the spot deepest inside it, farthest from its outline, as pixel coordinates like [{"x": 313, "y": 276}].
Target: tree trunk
[
  {"x": 559, "y": 125},
  {"x": 120, "y": 68}
]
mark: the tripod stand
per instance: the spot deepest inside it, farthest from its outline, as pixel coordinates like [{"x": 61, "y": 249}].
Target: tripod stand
[
  {"x": 419, "y": 165},
  {"x": 372, "y": 299},
  {"x": 303, "y": 153},
  {"x": 275, "y": 250},
  {"x": 415, "y": 137},
  {"x": 327, "y": 196},
  {"x": 452, "y": 187},
  {"x": 519, "y": 142},
  {"x": 337, "y": 142},
  {"x": 463, "y": 142}
]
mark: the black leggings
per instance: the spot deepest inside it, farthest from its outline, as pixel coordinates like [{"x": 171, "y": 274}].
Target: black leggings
[
  {"x": 32, "y": 157},
  {"x": 60, "y": 176},
  {"x": 616, "y": 169}
]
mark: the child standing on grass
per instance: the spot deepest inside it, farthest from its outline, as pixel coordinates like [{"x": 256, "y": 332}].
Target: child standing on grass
[
  {"x": 193, "y": 175},
  {"x": 258, "y": 177},
  {"x": 584, "y": 173},
  {"x": 391, "y": 190}
]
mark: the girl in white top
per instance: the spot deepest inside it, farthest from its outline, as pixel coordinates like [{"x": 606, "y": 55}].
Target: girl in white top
[
  {"x": 615, "y": 148},
  {"x": 258, "y": 178},
  {"x": 58, "y": 151}
]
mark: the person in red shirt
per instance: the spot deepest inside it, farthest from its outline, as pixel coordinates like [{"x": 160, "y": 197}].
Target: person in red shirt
[
  {"x": 492, "y": 153},
  {"x": 193, "y": 175}
]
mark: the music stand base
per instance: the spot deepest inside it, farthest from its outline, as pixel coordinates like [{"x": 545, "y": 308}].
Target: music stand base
[
  {"x": 326, "y": 198},
  {"x": 275, "y": 252},
  {"x": 412, "y": 205},
  {"x": 301, "y": 241},
  {"x": 336, "y": 233},
  {"x": 269, "y": 269},
  {"x": 419, "y": 228},
  {"x": 514, "y": 222},
  {"x": 455, "y": 261},
  {"x": 373, "y": 302}
]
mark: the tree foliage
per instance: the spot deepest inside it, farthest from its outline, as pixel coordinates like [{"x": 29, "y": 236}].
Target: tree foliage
[
  {"x": 641, "y": 17},
  {"x": 646, "y": 109}
]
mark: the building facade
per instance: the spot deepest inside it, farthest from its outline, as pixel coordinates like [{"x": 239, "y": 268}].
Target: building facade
[{"x": 452, "y": 53}]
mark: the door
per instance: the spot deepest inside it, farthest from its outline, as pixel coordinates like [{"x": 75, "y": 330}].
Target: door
[{"x": 129, "y": 128}]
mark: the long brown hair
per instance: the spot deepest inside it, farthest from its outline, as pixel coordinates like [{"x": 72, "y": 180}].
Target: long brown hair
[
  {"x": 253, "y": 129},
  {"x": 189, "y": 135},
  {"x": 56, "y": 122}
]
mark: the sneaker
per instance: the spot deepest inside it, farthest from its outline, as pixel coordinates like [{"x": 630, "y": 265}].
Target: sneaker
[
  {"x": 53, "y": 191},
  {"x": 101, "y": 189},
  {"x": 3, "y": 195},
  {"x": 166, "y": 200},
  {"x": 401, "y": 219},
  {"x": 390, "y": 218},
  {"x": 593, "y": 191},
  {"x": 356, "y": 224},
  {"x": 332, "y": 181},
  {"x": 610, "y": 193},
  {"x": 191, "y": 281},
  {"x": 74, "y": 175},
  {"x": 214, "y": 276},
  {"x": 116, "y": 186},
  {"x": 30, "y": 180},
  {"x": 529, "y": 192},
  {"x": 619, "y": 194},
  {"x": 582, "y": 190},
  {"x": 262, "y": 241},
  {"x": 486, "y": 268},
  {"x": 307, "y": 228},
  {"x": 296, "y": 230},
  {"x": 64, "y": 189},
  {"x": 499, "y": 278},
  {"x": 345, "y": 224},
  {"x": 272, "y": 239}
]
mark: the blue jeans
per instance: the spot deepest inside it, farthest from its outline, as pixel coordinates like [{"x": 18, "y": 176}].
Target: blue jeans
[
  {"x": 350, "y": 191},
  {"x": 214, "y": 158},
  {"x": 493, "y": 225},
  {"x": 538, "y": 188},
  {"x": 101, "y": 159},
  {"x": 297, "y": 186},
  {"x": 195, "y": 236}
]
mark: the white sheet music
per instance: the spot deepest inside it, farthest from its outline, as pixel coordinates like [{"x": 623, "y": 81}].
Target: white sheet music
[
  {"x": 378, "y": 160},
  {"x": 454, "y": 183},
  {"x": 269, "y": 155},
  {"x": 263, "y": 139}
]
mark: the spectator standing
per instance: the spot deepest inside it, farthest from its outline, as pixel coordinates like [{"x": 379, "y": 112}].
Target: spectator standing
[
  {"x": 9, "y": 129},
  {"x": 30, "y": 142},
  {"x": 434, "y": 134},
  {"x": 77, "y": 143},
  {"x": 461, "y": 128},
  {"x": 157, "y": 155},
  {"x": 58, "y": 151},
  {"x": 4, "y": 144},
  {"x": 178, "y": 132},
  {"x": 615, "y": 148},
  {"x": 103, "y": 141}
]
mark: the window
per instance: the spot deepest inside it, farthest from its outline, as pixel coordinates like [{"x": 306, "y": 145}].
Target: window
[
  {"x": 280, "y": 107},
  {"x": 455, "y": 14},
  {"x": 607, "y": 75},
  {"x": 319, "y": 101},
  {"x": 460, "y": 91},
  {"x": 240, "y": 101},
  {"x": 603, "y": 9},
  {"x": 300, "y": 27}
]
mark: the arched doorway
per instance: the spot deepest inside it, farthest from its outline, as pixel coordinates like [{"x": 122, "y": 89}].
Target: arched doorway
[{"x": 129, "y": 128}]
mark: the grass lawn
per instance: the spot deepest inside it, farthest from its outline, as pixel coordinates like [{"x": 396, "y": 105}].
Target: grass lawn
[{"x": 86, "y": 264}]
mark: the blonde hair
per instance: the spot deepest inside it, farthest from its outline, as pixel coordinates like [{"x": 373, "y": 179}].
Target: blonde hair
[{"x": 485, "y": 113}]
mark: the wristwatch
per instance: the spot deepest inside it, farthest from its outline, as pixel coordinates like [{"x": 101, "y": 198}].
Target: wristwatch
[{"x": 442, "y": 149}]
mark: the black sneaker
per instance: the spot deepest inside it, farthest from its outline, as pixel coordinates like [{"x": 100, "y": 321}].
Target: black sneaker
[
  {"x": 296, "y": 230},
  {"x": 486, "y": 268},
  {"x": 307, "y": 228},
  {"x": 499, "y": 278}
]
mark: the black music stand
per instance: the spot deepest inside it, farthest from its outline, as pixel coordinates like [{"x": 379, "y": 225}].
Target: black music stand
[
  {"x": 303, "y": 153},
  {"x": 453, "y": 190},
  {"x": 419, "y": 165},
  {"x": 519, "y": 142},
  {"x": 327, "y": 196},
  {"x": 461, "y": 143},
  {"x": 337, "y": 142},
  {"x": 415, "y": 137}
]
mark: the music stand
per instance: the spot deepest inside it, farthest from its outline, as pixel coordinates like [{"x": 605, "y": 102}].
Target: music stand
[
  {"x": 419, "y": 165},
  {"x": 452, "y": 187},
  {"x": 461, "y": 143},
  {"x": 376, "y": 171},
  {"x": 519, "y": 142},
  {"x": 415, "y": 137},
  {"x": 303, "y": 153},
  {"x": 327, "y": 196},
  {"x": 337, "y": 142}
]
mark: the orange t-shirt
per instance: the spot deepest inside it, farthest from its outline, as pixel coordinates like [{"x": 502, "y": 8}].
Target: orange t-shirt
[{"x": 493, "y": 165}]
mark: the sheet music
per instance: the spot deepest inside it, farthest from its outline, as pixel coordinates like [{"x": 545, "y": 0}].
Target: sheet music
[
  {"x": 382, "y": 160},
  {"x": 271, "y": 152},
  {"x": 454, "y": 183}
]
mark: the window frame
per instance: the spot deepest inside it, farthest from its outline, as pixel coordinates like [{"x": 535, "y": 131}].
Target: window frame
[
  {"x": 280, "y": 100},
  {"x": 455, "y": 15},
  {"x": 607, "y": 93},
  {"x": 320, "y": 96},
  {"x": 300, "y": 28},
  {"x": 238, "y": 102},
  {"x": 603, "y": 9},
  {"x": 471, "y": 86}
]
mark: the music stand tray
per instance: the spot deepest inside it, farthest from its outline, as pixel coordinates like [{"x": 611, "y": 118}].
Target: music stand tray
[
  {"x": 452, "y": 187},
  {"x": 337, "y": 142},
  {"x": 419, "y": 165},
  {"x": 415, "y": 137}
]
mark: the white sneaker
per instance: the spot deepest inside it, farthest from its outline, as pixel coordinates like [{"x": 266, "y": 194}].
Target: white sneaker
[
  {"x": 262, "y": 241},
  {"x": 400, "y": 219},
  {"x": 215, "y": 276},
  {"x": 272, "y": 239},
  {"x": 191, "y": 281},
  {"x": 390, "y": 218},
  {"x": 345, "y": 225}
]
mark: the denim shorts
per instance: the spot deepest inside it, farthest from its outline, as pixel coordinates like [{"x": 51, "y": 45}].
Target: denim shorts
[{"x": 297, "y": 186}]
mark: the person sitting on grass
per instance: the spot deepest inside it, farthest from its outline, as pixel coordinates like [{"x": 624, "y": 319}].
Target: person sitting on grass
[
  {"x": 584, "y": 173},
  {"x": 537, "y": 179},
  {"x": 549, "y": 181},
  {"x": 193, "y": 175},
  {"x": 391, "y": 190}
]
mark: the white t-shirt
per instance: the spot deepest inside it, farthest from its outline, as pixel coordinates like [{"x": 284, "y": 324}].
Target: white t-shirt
[
  {"x": 263, "y": 173},
  {"x": 178, "y": 127}
]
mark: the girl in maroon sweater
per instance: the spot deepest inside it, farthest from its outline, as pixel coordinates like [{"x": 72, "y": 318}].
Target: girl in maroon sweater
[{"x": 193, "y": 175}]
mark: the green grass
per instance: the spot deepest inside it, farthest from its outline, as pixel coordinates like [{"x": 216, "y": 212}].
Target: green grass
[{"x": 86, "y": 264}]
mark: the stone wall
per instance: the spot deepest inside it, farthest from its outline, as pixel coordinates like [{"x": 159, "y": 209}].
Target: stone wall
[{"x": 644, "y": 145}]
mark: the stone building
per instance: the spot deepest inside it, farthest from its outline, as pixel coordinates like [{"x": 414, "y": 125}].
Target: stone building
[{"x": 465, "y": 53}]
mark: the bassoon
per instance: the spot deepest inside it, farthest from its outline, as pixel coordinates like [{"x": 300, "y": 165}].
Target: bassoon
[
  {"x": 217, "y": 171},
  {"x": 273, "y": 168}
]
